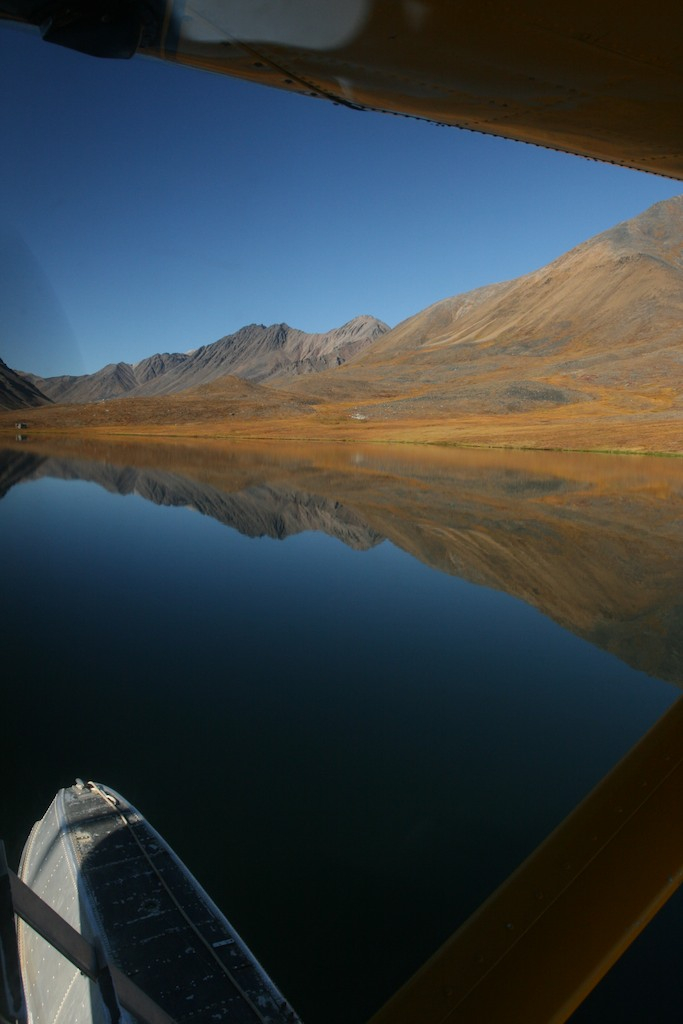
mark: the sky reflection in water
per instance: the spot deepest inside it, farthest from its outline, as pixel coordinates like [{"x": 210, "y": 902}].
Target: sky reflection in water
[{"x": 349, "y": 748}]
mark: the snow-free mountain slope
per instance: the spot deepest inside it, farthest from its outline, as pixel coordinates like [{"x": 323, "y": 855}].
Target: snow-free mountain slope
[
  {"x": 607, "y": 315},
  {"x": 255, "y": 353},
  {"x": 18, "y": 393}
]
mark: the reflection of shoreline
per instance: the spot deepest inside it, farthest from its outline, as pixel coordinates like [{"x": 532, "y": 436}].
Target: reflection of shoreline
[
  {"x": 588, "y": 540},
  {"x": 258, "y": 511}
]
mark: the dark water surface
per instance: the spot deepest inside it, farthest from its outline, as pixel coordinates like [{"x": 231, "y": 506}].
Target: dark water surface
[{"x": 353, "y": 688}]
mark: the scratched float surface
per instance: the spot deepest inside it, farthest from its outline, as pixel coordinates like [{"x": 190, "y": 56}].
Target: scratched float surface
[{"x": 97, "y": 861}]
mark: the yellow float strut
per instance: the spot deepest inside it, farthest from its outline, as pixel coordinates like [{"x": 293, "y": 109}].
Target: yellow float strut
[{"x": 535, "y": 949}]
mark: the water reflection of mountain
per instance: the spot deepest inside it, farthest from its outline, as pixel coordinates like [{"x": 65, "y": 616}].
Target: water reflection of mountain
[
  {"x": 591, "y": 541},
  {"x": 259, "y": 511}
]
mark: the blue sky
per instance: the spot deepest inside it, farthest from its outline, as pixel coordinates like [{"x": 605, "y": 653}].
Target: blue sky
[{"x": 146, "y": 207}]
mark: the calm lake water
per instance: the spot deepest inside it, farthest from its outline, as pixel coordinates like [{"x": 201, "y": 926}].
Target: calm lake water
[{"x": 352, "y": 687}]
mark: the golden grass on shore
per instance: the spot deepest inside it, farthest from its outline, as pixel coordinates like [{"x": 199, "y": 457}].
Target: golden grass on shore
[{"x": 203, "y": 415}]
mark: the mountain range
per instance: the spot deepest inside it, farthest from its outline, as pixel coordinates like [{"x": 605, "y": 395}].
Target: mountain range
[
  {"x": 606, "y": 316},
  {"x": 256, "y": 353},
  {"x": 586, "y": 349}
]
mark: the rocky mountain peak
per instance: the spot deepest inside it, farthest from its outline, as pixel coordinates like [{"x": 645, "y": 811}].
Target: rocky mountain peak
[
  {"x": 18, "y": 393},
  {"x": 254, "y": 352}
]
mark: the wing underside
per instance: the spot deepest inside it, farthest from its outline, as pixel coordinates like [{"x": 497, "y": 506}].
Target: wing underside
[{"x": 599, "y": 80}]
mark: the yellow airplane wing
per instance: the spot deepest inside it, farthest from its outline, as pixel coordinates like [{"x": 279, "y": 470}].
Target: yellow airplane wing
[{"x": 598, "y": 79}]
